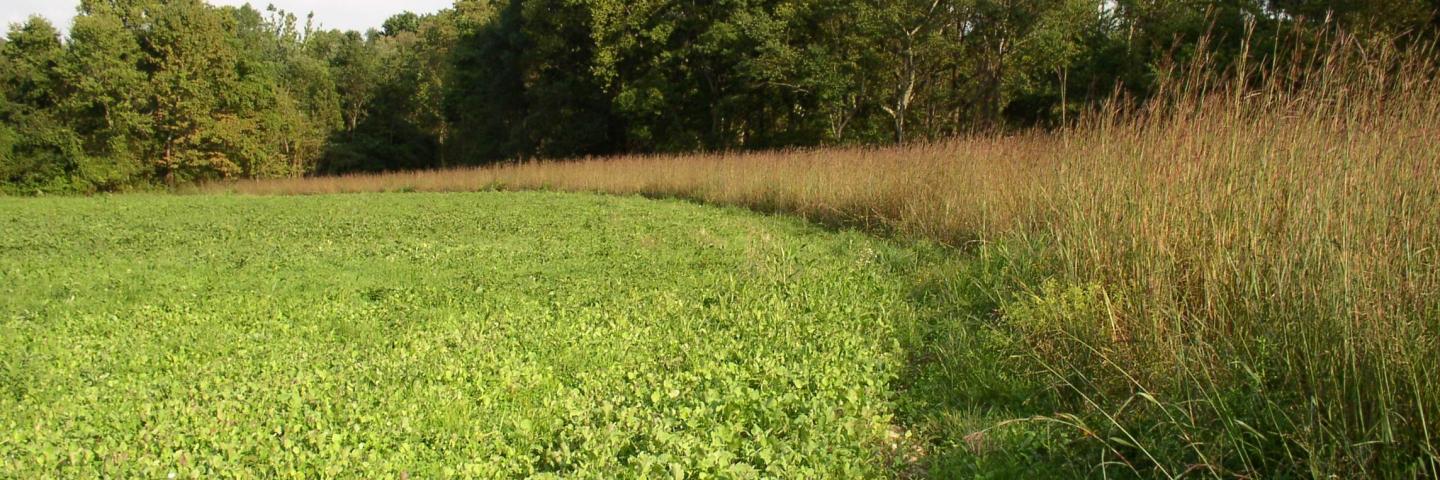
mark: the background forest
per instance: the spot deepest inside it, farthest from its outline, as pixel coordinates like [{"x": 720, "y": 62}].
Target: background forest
[{"x": 169, "y": 92}]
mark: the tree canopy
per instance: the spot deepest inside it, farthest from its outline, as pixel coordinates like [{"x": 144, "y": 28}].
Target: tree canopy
[{"x": 146, "y": 92}]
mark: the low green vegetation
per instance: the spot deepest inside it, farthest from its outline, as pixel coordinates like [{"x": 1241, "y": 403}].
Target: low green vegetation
[{"x": 434, "y": 335}]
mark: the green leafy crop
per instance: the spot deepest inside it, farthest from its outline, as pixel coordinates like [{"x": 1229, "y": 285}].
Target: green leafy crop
[{"x": 439, "y": 335}]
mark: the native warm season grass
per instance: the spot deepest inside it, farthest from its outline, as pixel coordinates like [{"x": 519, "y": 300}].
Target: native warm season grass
[{"x": 1236, "y": 279}]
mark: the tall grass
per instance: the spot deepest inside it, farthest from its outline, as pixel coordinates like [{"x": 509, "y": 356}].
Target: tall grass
[{"x": 1243, "y": 276}]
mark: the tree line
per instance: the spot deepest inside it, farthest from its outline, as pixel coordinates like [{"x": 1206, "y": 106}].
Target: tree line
[{"x": 167, "y": 92}]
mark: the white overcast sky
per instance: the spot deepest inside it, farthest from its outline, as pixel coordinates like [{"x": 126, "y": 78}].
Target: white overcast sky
[{"x": 343, "y": 14}]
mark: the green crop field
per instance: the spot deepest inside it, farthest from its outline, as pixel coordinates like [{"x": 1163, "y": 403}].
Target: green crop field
[{"x": 431, "y": 335}]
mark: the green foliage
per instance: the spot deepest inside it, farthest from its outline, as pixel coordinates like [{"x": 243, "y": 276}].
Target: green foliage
[
  {"x": 109, "y": 99},
  {"x": 181, "y": 91},
  {"x": 175, "y": 92},
  {"x": 39, "y": 148},
  {"x": 407, "y": 22},
  {"x": 413, "y": 335}
]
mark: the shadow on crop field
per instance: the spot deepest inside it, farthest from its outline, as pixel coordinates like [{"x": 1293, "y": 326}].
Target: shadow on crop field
[{"x": 972, "y": 403}]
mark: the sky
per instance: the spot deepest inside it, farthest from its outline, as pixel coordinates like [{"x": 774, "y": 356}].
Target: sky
[{"x": 342, "y": 14}]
